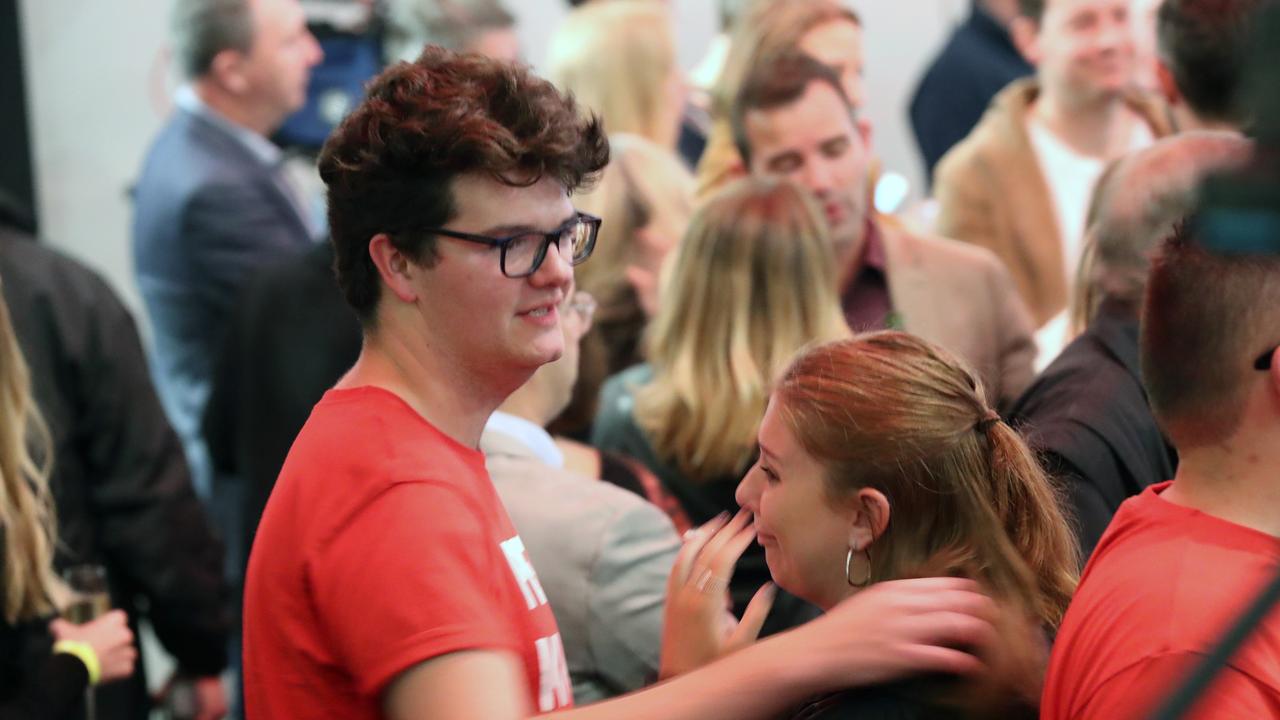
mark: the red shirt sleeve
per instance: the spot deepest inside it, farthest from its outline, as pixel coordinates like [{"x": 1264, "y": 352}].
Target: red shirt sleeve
[
  {"x": 411, "y": 576},
  {"x": 1137, "y": 691}
]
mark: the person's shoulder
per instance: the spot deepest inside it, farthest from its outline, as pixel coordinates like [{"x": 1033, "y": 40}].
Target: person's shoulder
[
  {"x": 994, "y": 137},
  {"x": 372, "y": 430},
  {"x": 1056, "y": 394},
  {"x": 44, "y": 272},
  {"x": 617, "y": 394},
  {"x": 567, "y": 494},
  {"x": 962, "y": 259}
]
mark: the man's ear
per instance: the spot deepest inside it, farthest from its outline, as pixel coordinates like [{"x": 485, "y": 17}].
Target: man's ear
[
  {"x": 865, "y": 130},
  {"x": 395, "y": 268},
  {"x": 869, "y": 517},
  {"x": 1025, "y": 33},
  {"x": 227, "y": 69},
  {"x": 1168, "y": 86}
]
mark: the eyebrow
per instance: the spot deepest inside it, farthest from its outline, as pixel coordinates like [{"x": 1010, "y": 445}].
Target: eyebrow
[
  {"x": 766, "y": 451},
  {"x": 508, "y": 230}
]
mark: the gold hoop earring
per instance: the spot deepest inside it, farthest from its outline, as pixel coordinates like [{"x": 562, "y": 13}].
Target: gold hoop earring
[{"x": 848, "y": 567}]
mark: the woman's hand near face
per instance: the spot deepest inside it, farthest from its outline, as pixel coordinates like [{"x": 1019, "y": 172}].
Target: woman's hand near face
[
  {"x": 698, "y": 626},
  {"x": 896, "y": 629}
]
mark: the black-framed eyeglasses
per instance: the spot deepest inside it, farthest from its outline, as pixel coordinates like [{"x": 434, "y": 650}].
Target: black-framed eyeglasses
[
  {"x": 523, "y": 253},
  {"x": 1264, "y": 360}
]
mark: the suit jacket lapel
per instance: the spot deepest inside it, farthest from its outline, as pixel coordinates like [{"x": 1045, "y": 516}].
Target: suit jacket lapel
[
  {"x": 908, "y": 283},
  {"x": 1029, "y": 200}
]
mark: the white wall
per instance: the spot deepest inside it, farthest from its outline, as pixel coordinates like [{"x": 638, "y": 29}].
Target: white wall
[{"x": 98, "y": 93}]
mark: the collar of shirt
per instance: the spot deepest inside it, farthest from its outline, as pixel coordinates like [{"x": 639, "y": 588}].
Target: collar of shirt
[
  {"x": 528, "y": 434},
  {"x": 261, "y": 148},
  {"x": 865, "y": 298},
  {"x": 873, "y": 256}
]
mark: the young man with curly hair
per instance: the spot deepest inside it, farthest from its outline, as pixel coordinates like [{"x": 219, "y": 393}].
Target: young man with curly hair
[{"x": 386, "y": 579}]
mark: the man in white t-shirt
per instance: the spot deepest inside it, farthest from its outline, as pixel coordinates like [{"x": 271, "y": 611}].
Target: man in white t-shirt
[{"x": 1020, "y": 184}]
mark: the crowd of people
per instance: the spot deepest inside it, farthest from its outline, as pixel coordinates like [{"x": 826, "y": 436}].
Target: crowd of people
[{"x": 609, "y": 395}]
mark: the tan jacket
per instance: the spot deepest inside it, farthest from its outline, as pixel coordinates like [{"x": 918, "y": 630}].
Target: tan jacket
[
  {"x": 992, "y": 193},
  {"x": 961, "y": 297}
]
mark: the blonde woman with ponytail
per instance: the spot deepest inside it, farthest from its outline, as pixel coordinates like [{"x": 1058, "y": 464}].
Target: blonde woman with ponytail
[
  {"x": 98, "y": 651},
  {"x": 880, "y": 460}
]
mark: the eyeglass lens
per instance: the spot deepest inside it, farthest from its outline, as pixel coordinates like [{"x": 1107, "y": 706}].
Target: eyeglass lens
[{"x": 526, "y": 252}]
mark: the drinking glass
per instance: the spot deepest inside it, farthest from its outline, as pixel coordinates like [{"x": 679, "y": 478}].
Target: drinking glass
[{"x": 88, "y": 601}]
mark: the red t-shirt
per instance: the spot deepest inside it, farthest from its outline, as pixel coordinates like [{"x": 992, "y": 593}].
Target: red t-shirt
[
  {"x": 1163, "y": 585},
  {"x": 384, "y": 544}
]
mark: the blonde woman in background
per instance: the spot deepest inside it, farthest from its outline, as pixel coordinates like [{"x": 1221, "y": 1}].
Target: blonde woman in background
[
  {"x": 750, "y": 285},
  {"x": 618, "y": 58},
  {"x": 41, "y": 676},
  {"x": 825, "y": 30},
  {"x": 645, "y": 197}
]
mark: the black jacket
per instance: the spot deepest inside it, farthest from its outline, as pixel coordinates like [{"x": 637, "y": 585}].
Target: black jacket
[
  {"x": 120, "y": 481},
  {"x": 34, "y": 683},
  {"x": 978, "y": 61},
  {"x": 291, "y": 337},
  {"x": 1088, "y": 419}
]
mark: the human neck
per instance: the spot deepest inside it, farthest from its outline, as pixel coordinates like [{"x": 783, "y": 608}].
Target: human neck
[
  {"x": 1098, "y": 128},
  {"x": 1234, "y": 480},
  {"x": 449, "y": 395},
  {"x": 231, "y": 108}
]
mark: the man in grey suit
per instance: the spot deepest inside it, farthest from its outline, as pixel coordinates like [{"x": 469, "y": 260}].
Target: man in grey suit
[
  {"x": 603, "y": 554},
  {"x": 211, "y": 204}
]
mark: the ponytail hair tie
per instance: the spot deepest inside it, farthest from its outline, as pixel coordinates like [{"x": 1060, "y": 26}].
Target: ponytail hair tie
[{"x": 991, "y": 417}]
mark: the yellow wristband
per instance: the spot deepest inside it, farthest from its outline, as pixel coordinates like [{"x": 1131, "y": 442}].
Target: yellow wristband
[{"x": 87, "y": 655}]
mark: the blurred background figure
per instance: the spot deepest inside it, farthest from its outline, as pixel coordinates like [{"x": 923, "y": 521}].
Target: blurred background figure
[
  {"x": 120, "y": 481},
  {"x": 1201, "y": 58},
  {"x": 480, "y": 26},
  {"x": 211, "y": 204},
  {"x": 1087, "y": 415},
  {"x": 1020, "y": 183},
  {"x": 618, "y": 58},
  {"x": 793, "y": 120},
  {"x": 602, "y": 554},
  {"x": 645, "y": 197},
  {"x": 45, "y": 667},
  {"x": 703, "y": 76},
  {"x": 978, "y": 61},
  {"x": 825, "y": 30},
  {"x": 750, "y": 284}
]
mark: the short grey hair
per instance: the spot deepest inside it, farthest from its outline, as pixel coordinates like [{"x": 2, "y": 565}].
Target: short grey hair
[
  {"x": 451, "y": 24},
  {"x": 1136, "y": 205},
  {"x": 204, "y": 28}
]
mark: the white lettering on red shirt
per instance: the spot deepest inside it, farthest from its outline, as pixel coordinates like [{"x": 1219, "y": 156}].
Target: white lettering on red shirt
[{"x": 523, "y": 570}]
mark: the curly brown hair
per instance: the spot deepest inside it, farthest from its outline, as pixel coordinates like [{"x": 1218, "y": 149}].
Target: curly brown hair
[{"x": 390, "y": 165}]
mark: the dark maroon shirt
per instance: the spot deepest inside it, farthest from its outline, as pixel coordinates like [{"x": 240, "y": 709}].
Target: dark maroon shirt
[{"x": 865, "y": 298}]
